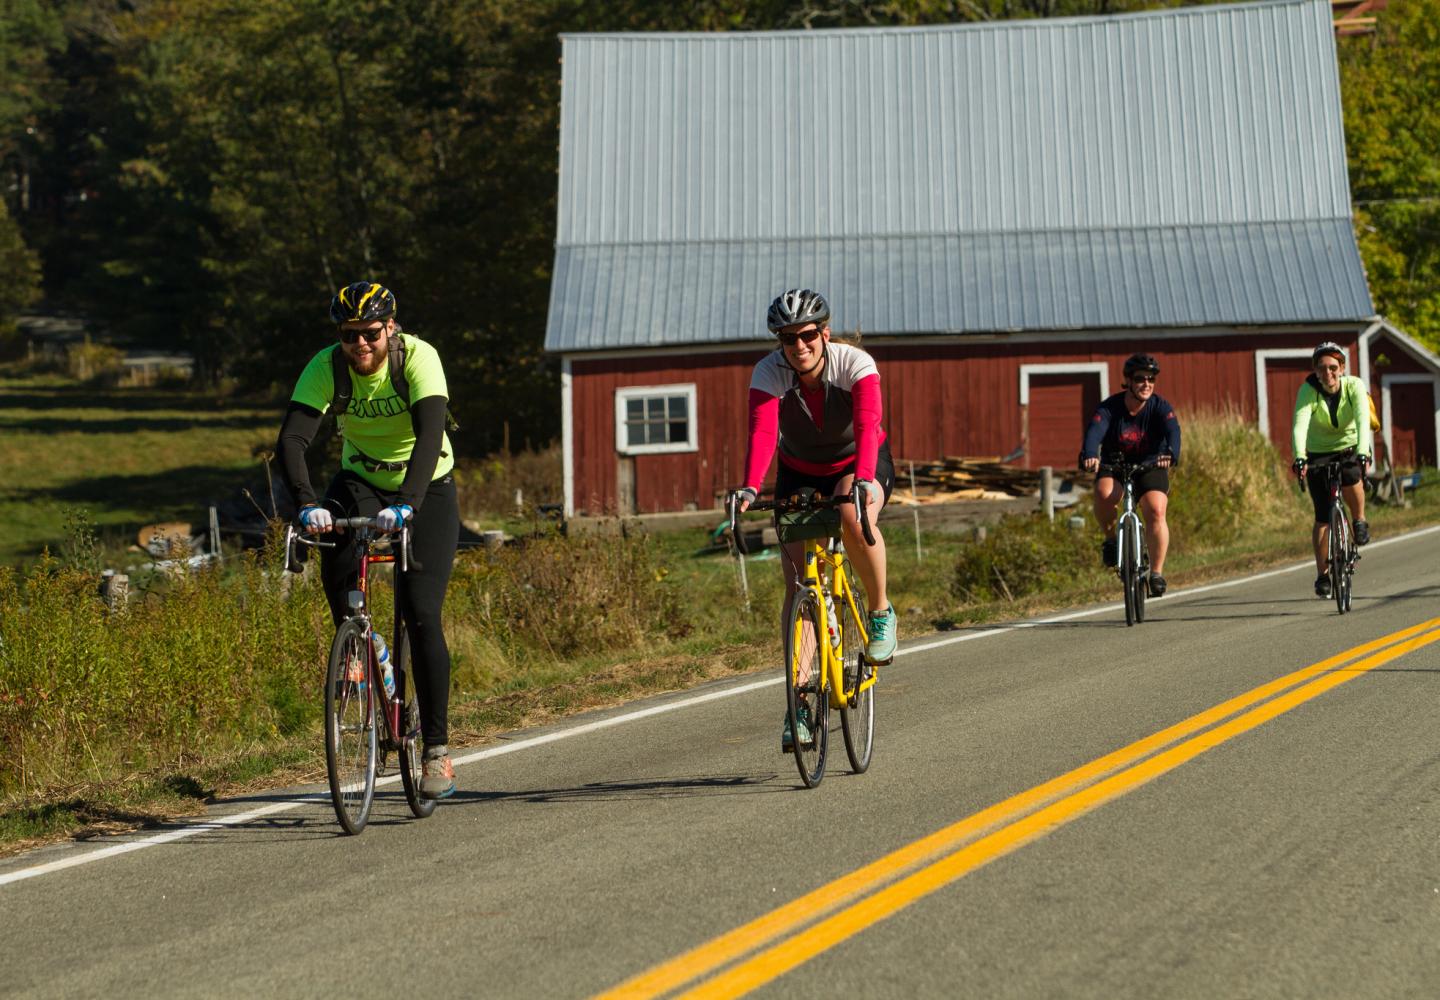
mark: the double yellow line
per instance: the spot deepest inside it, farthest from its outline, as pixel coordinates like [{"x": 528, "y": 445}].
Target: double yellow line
[{"x": 870, "y": 894}]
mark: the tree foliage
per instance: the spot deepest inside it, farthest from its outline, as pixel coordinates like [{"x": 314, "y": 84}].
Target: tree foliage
[
  {"x": 1391, "y": 92},
  {"x": 203, "y": 174}
]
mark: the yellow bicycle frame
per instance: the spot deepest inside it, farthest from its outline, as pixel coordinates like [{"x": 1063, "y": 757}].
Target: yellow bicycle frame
[{"x": 832, "y": 661}]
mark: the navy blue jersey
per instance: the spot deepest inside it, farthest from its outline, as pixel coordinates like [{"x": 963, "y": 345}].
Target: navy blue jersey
[{"x": 1152, "y": 431}]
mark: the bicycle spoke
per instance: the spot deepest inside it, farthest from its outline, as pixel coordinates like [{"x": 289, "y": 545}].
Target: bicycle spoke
[
  {"x": 351, "y": 730},
  {"x": 857, "y": 717},
  {"x": 806, "y": 700}
]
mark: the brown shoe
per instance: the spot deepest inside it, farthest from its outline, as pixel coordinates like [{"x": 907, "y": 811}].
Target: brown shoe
[{"x": 438, "y": 780}]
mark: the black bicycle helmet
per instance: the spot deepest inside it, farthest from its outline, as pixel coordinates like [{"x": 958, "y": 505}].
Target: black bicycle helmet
[
  {"x": 796, "y": 307},
  {"x": 1141, "y": 363},
  {"x": 1329, "y": 347},
  {"x": 361, "y": 302}
]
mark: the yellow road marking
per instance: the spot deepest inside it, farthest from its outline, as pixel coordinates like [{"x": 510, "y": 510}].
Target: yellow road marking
[
  {"x": 674, "y": 973},
  {"x": 780, "y": 958}
]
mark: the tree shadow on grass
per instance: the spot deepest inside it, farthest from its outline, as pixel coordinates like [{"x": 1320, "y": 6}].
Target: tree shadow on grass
[
  {"x": 138, "y": 424},
  {"x": 129, "y": 400},
  {"x": 180, "y": 493}
]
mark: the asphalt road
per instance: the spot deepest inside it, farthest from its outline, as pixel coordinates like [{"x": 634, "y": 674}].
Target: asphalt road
[{"x": 1070, "y": 808}]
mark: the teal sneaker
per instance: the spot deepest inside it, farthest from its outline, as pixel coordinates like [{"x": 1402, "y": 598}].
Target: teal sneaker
[
  {"x": 883, "y": 625},
  {"x": 787, "y": 738}
]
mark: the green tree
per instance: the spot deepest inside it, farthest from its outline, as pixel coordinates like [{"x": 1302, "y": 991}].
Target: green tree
[
  {"x": 1390, "y": 86},
  {"x": 29, "y": 31}
]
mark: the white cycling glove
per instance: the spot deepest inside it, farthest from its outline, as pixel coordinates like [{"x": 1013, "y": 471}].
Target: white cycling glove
[
  {"x": 316, "y": 519},
  {"x": 392, "y": 518}
]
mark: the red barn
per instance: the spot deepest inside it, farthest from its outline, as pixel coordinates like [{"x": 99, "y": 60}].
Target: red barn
[{"x": 1002, "y": 211}]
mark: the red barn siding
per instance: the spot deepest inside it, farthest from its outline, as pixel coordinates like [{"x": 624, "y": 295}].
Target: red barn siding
[
  {"x": 665, "y": 481},
  {"x": 951, "y": 398},
  {"x": 1412, "y": 420},
  {"x": 1397, "y": 361}
]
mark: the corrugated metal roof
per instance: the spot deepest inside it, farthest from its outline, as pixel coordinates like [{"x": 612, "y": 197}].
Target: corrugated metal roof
[{"x": 957, "y": 178}]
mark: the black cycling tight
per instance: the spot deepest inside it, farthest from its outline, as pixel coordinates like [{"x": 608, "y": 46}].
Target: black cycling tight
[{"x": 434, "y": 534}]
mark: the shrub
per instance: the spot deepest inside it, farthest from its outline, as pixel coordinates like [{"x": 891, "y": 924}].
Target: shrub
[
  {"x": 1023, "y": 555},
  {"x": 487, "y": 487},
  {"x": 94, "y": 363},
  {"x": 1232, "y": 482}
]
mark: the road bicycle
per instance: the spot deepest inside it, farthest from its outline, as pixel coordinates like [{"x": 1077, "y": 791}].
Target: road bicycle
[
  {"x": 1133, "y": 562},
  {"x": 364, "y": 723},
  {"x": 833, "y": 672},
  {"x": 1343, "y": 554}
]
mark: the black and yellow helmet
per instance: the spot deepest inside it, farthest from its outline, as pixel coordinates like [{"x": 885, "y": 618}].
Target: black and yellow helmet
[{"x": 362, "y": 302}]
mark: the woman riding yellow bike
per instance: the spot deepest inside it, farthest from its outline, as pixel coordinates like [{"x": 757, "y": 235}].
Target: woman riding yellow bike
[{"x": 818, "y": 402}]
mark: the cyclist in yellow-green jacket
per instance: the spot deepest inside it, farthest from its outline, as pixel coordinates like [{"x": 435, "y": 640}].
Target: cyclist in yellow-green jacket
[{"x": 1332, "y": 415}]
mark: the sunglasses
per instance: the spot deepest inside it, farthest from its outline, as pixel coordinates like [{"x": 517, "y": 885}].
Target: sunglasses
[
  {"x": 353, "y": 336},
  {"x": 1138, "y": 377},
  {"x": 789, "y": 339}
]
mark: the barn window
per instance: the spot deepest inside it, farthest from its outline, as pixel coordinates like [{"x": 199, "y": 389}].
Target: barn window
[{"x": 655, "y": 418}]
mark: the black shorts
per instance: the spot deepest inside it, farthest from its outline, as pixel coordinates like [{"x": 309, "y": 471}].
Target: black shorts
[
  {"x": 1316, "y": 481},
  {"x": 788, "y": 480},
  {"x": 1151, "y": 480}
]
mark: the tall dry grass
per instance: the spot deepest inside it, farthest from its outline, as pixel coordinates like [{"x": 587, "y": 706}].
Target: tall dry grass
[
  {"x": 1233, "y": 482},
  {"x": 1231, "y": 485},
  {"x": 223, "y": 658}
]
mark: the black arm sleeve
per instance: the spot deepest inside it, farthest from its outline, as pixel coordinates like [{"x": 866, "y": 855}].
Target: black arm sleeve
[
  {"x": 1172, "y": 434},
  {"x": 1095, "y": 433},
  {"x": 296, "y": 432},
  {"x": 427, "y": 416}
]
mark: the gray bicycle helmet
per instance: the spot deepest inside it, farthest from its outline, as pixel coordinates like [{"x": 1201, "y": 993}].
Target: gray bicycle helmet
[
  {"x": 796, "y": 307},
  {"x": 1329, "y": 347}
]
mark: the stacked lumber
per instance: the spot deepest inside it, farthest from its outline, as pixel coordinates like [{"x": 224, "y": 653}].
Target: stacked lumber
[{"x": 970, "y": 478}]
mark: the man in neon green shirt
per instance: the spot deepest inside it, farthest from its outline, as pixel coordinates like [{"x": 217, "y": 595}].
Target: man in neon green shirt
[
  {"x": 1332, "y": 415},
  {"x": 395, "y": 467}
]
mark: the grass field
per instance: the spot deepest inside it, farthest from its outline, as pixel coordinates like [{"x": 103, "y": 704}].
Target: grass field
[{"x": 128, "y": 457}]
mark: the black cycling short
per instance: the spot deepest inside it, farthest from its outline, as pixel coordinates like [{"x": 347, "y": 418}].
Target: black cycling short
[
  {"x": 434, "y": 537},
  {"x": 1151, "y": 480},
  {"x": 1316, "y": 481},
  {"x": 788, "y": 481}
]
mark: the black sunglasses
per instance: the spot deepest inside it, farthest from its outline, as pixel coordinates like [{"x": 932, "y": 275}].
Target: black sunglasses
[
  {"x": 788, "y": 339},
  {"x": 1142, "y": 377},
  {"x": 353, "y": 336}
]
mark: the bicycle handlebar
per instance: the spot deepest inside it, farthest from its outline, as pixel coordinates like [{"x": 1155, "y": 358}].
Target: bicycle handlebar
[
  {"x": 361, "y": 524},
  {"x": 782, "y": 505},
  {"x": 1332, "y": 462}
]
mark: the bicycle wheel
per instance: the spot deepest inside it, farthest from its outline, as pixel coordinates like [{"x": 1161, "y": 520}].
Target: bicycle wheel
[
  {"x": 411, "y": 753},
  {"x": 1142, "y": 575},
  {"x": 857, "y": 716},
  {"x": 1129, "y": 570},
  {"x": 1339, "y": 539},
  {"x": 807, "y": 701},
  {"x": 351, "y": 737}
]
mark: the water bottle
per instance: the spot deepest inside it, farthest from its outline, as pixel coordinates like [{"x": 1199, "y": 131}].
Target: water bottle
[
  {"x": 382, "y": 656},
  {"x": 832, "y": 622}
]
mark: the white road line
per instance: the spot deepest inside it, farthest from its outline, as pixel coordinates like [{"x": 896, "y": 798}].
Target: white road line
[{"x": 590, "y": 727}]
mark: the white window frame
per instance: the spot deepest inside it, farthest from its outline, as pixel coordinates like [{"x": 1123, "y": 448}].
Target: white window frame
[{"x": 626, "y": 393}]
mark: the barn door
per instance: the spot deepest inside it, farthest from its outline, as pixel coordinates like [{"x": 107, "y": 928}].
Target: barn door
[
  {"x": 1283, "y": 377},
  {"x": 1412, "y": 423},
  {"x": 1061, "y": 404}
]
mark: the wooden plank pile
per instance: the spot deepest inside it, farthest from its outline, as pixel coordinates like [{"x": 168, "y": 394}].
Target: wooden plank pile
[{"x": 954, "y": 478}]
